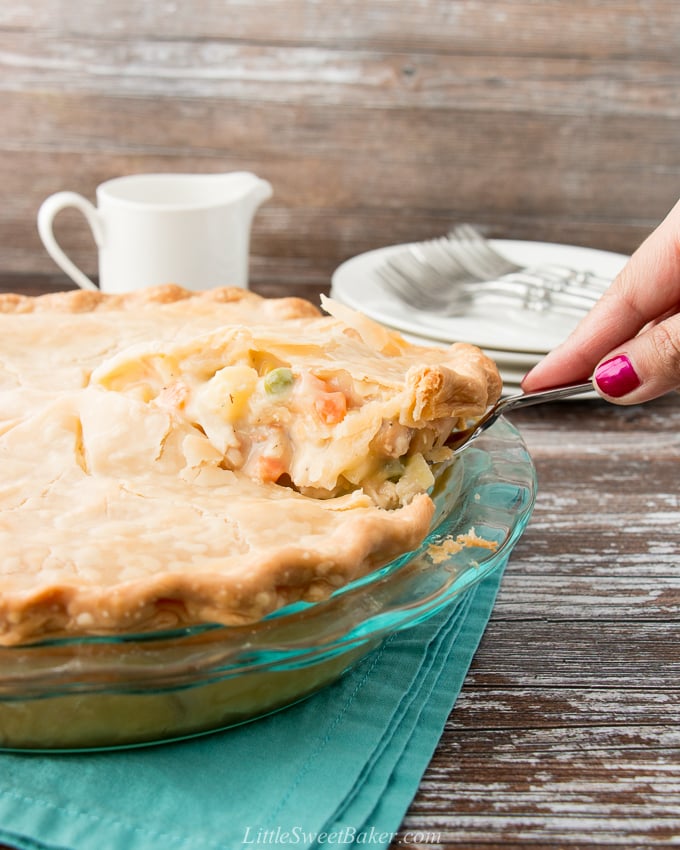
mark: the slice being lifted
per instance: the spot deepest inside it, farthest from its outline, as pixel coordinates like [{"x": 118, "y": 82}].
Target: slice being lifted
[
  {"x": 210, "y": 457},
  {"x": 325, "y": 406}
]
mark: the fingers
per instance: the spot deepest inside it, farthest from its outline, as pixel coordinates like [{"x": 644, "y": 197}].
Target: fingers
[
  {"x": 647, "y": 367},
  {"x": 575, "y": 359},
  {"x": 614, "y": 319},
  {"x": 645, "y": 295}
]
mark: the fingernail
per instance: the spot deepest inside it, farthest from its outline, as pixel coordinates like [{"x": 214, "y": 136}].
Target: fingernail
[{"x": 616, "y": 377}]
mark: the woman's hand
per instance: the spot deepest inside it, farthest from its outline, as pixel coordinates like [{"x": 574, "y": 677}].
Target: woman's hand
[{"x": 630, "y": 341}]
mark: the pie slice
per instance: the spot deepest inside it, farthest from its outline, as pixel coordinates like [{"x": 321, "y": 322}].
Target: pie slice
[{"x": 172, "y": 458}]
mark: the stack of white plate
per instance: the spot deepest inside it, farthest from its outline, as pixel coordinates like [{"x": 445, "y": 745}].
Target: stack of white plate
[{"x": 516, "y": 338}]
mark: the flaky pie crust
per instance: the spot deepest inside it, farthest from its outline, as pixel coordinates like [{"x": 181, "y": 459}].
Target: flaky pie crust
[{"x": 138, "y": 434}]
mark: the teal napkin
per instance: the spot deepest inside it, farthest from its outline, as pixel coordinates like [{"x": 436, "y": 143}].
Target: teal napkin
[{"x": 337, "y": 769}]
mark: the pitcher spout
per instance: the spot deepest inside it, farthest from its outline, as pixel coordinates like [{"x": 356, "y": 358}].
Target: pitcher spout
[
  {"x": 261, "y": 192},
  {"x": 251, "y": 189}
]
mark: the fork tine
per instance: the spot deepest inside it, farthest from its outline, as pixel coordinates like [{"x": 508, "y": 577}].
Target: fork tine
[
  {"x": 500, "y": 265},
  {"x": 421, "y": 297},
  {"x": 470, "y": 252},
  {"x": 477, "y": 253},
  {"x": 434, "y": 253}
]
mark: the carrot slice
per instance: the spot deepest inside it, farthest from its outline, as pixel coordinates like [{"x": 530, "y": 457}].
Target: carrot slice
[{"x": 331, "y": 408}]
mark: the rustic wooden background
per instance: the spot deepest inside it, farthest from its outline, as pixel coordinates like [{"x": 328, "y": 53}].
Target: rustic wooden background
[{"x": 377, "y": 121}]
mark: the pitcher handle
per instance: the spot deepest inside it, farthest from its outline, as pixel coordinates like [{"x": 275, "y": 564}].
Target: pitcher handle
[{"x": 46, "y": 215}]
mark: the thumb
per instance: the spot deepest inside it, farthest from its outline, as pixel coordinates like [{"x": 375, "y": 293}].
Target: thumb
[{"x": 644, "y": 368}]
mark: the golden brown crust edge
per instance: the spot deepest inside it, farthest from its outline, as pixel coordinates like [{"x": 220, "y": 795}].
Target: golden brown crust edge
[
  {"x": 87, "y": 301},
  {"x": 172, "y": 600}
]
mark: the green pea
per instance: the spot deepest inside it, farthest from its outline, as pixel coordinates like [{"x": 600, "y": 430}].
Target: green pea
[{"x": 278, "y": 380}]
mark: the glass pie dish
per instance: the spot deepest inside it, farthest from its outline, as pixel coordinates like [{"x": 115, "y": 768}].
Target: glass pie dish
[{"x": 86, "y": 693}]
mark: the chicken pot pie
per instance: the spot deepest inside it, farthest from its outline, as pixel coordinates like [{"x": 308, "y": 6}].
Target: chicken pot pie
[{"x": 172, "y": 458}]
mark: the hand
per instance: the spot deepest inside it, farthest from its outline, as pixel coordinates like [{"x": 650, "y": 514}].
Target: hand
[{"x": 630, "y": 341}]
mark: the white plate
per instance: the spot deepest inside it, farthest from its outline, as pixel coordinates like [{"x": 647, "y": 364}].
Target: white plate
[
  {"x": 355, "y": 284},
  {"x": 517, "y": 360}
]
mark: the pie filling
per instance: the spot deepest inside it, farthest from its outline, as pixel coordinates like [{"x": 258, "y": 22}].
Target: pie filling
[{"x": 173, "y": 458}]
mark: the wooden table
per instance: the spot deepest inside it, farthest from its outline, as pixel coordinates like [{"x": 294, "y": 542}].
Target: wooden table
[{"x": 567, "y": 730}]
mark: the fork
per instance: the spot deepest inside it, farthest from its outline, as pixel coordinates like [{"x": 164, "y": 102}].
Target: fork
[
  {"x": 427, "y": 288},
  {"x": 450, "y": 273},
  {"x": 459, "y": 440},
  {"x": 480, "y": 257},
  {"x": 476, "y": 252}
]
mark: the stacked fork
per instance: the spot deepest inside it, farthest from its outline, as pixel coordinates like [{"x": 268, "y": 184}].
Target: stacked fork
[{"x": 450, "y": 275}]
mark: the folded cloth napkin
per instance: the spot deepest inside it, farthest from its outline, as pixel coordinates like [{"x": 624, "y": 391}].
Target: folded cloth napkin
[{"x": 337, "y": 769}]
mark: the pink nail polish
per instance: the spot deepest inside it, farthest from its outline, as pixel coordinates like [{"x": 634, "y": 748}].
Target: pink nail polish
[{"x": 616, "y": 377}]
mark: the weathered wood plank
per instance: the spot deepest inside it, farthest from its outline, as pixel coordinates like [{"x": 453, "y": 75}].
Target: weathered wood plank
[
  {"x": 537, "y": 707},
  {"x": 633, "y": 598},
  {"x": 304, "y": 147},
  {"x": 588, "y": 786},
  {"x": 518, "y": 27},
  {"x": 599, "y": 652},
  {"x": 377, "y": 79}
]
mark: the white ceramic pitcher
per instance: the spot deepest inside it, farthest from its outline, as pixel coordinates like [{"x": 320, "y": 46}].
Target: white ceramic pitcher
[{"x": 188, "y": 229}]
